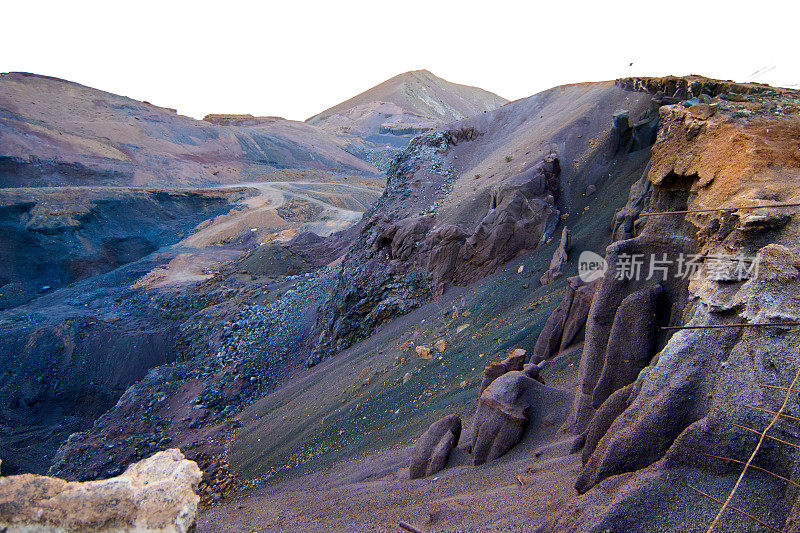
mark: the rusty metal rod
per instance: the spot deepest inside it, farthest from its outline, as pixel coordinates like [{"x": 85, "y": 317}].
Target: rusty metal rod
[
  {"x": 772, "y": 412},
  {"x": 738, "y": 510},
  {"x": 776, "y": 387},
  {"x": 744, "y": 325},
  {"x": 717, "y": 209},
  {"x": 767, "y": 436},
  {"x": 756, "y": 467},
  {"x": 761, "y": 437}
]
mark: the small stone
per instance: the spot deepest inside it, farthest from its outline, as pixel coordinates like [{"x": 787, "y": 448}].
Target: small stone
[
  {"x": 424, "y": 352},
  {"x": 407, "y": 377},
  {"x": 365, "y": 373},
  {"x": 702, "y": 111},
  {"x": 440, "y": 345}
]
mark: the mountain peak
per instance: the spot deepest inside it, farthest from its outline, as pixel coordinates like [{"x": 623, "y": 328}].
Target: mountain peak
[{"x": 421, "y": 93}]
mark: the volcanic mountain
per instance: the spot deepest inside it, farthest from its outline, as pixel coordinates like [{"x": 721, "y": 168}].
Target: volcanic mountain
[{"x": 410, "y": 103}]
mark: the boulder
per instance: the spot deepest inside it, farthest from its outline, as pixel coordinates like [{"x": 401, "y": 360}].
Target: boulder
[
  {"x": 424, "y": 352},
  {"x": 512, "y": 403},
  {"x": 156, "y": 494},
  {"x": 432, "y": 450},
  {"x": 501, "y": 417}
]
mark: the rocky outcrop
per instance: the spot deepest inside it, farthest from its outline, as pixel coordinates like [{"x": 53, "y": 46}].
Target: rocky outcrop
[
  {"x": 156, "y": 494},
  {"x": 233, "y": 119},
  {"x": 651, "y": 440},
  {"x": 566, "y": 324},
  {"x": 401, "y": 261},
  {"x": 627, "y": 223},
  {"x": 501, "y": 417},
  {"x": 631, "y": 342},
  {"x": 559, "y": 259},
  {"x": 631, "y": 137},
  {"x": 601, "y": 421},
  {"x": 521, "y": 216},
  {"x": 649, "y": 266},
  {"x": 678, "y": 88},
  {"x": 432, "y": 450}
]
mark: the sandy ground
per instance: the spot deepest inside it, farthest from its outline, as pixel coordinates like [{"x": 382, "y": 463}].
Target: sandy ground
[{"x": 515, "y": 493}]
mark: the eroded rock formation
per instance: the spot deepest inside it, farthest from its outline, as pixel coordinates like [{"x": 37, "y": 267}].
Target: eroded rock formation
[
  {"x": 432, "y": 450},
  {"x": 512, "y": 404},
  {"x": 495, "y": 369},
  {"x": 566, "y": 325},
  {"x": 653, "y": 433},
  {"x": 560, "y": 257}
]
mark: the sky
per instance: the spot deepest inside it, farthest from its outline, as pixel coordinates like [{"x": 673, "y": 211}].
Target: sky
[{"x": 297, "y": 58}]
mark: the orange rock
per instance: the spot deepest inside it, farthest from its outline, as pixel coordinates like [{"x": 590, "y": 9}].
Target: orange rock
[{"x": 424, "y": 352}]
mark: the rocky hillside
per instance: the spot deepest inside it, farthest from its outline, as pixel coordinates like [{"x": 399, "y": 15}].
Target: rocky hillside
[
  {"x": 661, "y": 420},
  {"x": 228, "y": 370},
  {"x": 461, "y": 203},
  {"x": 56, "y": 132}
]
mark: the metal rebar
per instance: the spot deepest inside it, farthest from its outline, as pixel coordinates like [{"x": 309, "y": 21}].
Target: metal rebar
[
  {"x": 761, "y": 438},
  {"x": 776, "y": 387},
  {"x": 744, "y": 325},
  {"x": 737, "y": 510},
  {"x": 773, "y": 412},
  {"x": 767, "y": 436},
  {"x": 756, "y": 467},
  {"x": 688, "y": 211}
]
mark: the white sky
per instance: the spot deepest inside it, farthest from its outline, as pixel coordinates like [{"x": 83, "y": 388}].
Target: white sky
[{"x": 296, "y": 58}]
